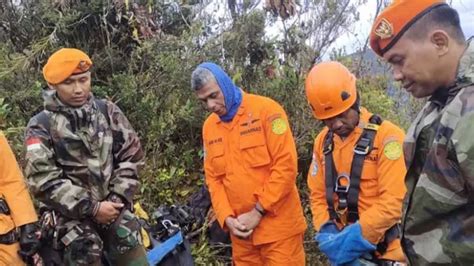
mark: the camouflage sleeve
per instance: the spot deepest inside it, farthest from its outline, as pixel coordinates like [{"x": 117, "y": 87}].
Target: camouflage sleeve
[
  {"x": 464, "y": 147},
  {"x": 47, "y": 181},
  {"x": 127, "y": 152}
]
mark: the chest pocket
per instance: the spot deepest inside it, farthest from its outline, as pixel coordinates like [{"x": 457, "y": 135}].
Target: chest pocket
[
  {"x": 217, "y": 159},
  {"x": 254, "y": 149},
  {"x": 368, "y": 179}
]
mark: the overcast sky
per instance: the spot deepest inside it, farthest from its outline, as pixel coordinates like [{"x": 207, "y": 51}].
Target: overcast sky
[{"x": 354, "y": 40}]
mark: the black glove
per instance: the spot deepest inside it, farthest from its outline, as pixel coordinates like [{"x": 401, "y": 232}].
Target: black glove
[
  {"x": 29, "y": 242},
  {"x": 114, "y": 197}
]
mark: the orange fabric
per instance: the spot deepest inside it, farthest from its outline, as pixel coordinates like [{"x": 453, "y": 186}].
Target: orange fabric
[
  {"x": 382, "y": 185},
  {"x": 330, "y": 89},
  {"x": 393, "y": 21},
  {"x": 9, "y": 255},
  {"x": 283, "y": 252},
  {"x": 14, "y": 191},
  {"x": 65, "y": 62},
  {"x": 253, "y": 159}
]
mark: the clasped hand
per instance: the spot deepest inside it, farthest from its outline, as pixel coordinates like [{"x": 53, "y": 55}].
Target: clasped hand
[{"x": 244, "y": 224}]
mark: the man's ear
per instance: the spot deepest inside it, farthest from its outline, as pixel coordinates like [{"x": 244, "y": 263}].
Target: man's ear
[
  {"x": 51, "y": 86},
  {"x": 440, "y": 39}
]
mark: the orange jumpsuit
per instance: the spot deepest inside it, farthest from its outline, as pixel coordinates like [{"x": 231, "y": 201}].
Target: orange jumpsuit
[
  {"x": 382, "y": 185},
  {"x": 253, "y": 159},
  {"x": 14, "y": 191}
]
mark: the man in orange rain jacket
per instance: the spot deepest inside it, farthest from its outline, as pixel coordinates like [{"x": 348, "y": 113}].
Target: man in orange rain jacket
[
  {"x": 16, "y": 212},
  {"x": 357, "y": 174},
  {"x": 250, "y": 164}
]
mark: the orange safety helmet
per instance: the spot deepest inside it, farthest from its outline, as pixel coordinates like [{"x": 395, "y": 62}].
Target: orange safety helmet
[{"x": 330, "y": 89}]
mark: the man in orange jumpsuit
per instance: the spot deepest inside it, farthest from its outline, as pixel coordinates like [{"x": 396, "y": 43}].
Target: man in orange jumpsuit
[
  {"x": 250, "y": 164},
  {"x": 357, "y": 174},
  {"x": 16, "y": 212}
]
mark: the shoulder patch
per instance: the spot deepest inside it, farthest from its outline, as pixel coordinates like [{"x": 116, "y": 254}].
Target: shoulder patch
[
  {"x": 33, "y": 143},
  {"x": 392, "y": 150},
  {"x": 279, "y": 126}
]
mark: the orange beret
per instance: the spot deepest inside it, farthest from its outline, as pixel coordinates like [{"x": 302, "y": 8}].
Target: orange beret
[
  {"x": 65, "y": 62},
  {"x": 396, "y": 19}
]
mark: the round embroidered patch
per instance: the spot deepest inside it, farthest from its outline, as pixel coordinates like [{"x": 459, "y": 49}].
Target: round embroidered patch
[
  {"x": 392, "y": 150},
  {"x": 279, "y": 126}
]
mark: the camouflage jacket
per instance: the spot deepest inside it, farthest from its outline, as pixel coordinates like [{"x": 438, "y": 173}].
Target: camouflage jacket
[
  {"x": 438, "y": 218},
  {"x": 81, "y": 158}
]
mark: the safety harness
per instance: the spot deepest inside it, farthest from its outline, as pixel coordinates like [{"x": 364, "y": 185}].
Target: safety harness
[{"x": 348, "y": 193}]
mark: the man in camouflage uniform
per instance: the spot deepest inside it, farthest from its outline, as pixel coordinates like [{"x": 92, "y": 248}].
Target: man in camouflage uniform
[
  {"x": 425, "y": 45},
  {"x": 82, "y": 162}
]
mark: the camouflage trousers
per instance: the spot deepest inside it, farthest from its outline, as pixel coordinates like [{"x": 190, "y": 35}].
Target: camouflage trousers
[{"x": 85, "y": 242}]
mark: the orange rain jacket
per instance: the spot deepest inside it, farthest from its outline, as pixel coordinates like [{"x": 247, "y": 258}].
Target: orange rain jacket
[
  {"x": 14, "y": 191},
  {"x": 253, "y": 159},
  {"x": 382, "y": 185}
]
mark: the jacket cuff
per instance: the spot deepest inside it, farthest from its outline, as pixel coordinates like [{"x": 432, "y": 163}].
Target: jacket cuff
[
  {"x": 89, "y": 208},
  {"x": 221, "y": 219},
  {"x": 369, "y": 233}
]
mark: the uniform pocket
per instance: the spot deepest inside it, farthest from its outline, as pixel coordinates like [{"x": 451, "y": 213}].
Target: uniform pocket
[
  {"x": 6, "y": 224},
  {"x": 217, "y": 159},
  {"x": 369, "y": 182},
  {"x": 254, "y": 151}
]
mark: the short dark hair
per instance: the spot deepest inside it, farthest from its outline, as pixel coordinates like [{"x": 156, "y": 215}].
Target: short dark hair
[{"x": 442, "y": 17}]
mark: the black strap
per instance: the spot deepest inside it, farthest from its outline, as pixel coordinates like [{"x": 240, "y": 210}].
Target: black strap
[
  {"x": 4, "y": 209},
  {"x": 9, "y": 238},
  {"x": 43, "y": 118},
  {"x": 330, "y": 174},
  {"x": 390, "y": 235},
  {"x": 103, "y": 109},
  {"x": 362, "y": 148}
]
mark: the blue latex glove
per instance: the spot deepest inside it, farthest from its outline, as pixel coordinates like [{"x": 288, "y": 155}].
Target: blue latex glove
[
  {"x": 343, "y": 248},
  {"x": 325, "y": 237},
  {"x": 327, "y": 232},
  {"x": 351, "y": 245}
]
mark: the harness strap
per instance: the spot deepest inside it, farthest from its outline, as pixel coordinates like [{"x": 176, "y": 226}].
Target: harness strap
[
  {"x": 330, "y": 173},
  {"x": 390, "y": 235},
  {"x": 362, "y": 148}
]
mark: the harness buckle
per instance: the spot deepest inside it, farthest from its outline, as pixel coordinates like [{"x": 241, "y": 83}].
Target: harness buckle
[
  {"x": 327, "y": 149},
  {"x": 362, "y": 146},
  {"x": 342, "y": 206},
  {"x": 342, "y": 188}
]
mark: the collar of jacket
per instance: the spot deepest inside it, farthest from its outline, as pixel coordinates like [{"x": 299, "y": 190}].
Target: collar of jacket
[
  {"x": 54, "y": 104},
  {"x": 240, "y": 111},
  {"x": 77, "y": 116}
]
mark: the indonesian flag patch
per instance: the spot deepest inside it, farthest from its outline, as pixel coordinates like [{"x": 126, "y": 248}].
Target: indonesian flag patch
[{"x": 33, "y": 143}]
